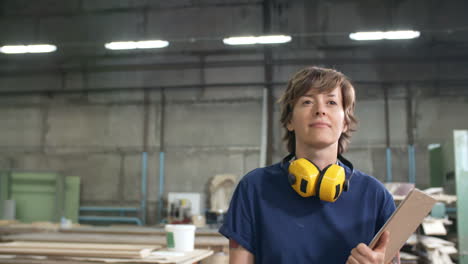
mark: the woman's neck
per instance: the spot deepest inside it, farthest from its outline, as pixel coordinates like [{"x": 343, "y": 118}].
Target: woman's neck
[{"x": 320, "y": 157}]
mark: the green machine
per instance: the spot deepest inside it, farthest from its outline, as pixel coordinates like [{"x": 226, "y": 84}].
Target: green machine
[
  {"x": 40, "y": 196},
  {"x": 449, "y": 169},
  {"x": 442, "y": 166},
  {"x": 460, "y": 139}
]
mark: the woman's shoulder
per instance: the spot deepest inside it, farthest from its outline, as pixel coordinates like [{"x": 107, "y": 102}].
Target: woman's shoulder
[
  {"x": 368, "y": 182},
  {"x": 258, "y": 175}
]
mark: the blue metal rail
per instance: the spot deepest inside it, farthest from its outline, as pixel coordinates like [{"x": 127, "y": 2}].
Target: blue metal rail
[
  {"x": 121, "y": 219},
  {"x": 104, "y": 209}
]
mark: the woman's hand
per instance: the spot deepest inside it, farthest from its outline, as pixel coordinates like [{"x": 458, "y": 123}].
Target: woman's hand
[{"x": 362, "y": 254}]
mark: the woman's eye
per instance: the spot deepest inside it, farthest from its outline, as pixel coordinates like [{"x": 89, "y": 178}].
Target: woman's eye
[
  {"x": 307, "y": 102},
  {"x": 332, "y": 102}
]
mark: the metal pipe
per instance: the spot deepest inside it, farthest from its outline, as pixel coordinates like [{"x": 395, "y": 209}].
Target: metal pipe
[
  {"x": 389, "y": 165},
  {"x": 268, "y": 68},
  {"x": 411, "y": 164},
  {"x": 387, "y": 136},
  {"x": 161, "y": 185},
  {"x": 144, "y": 168},
  {"x": 264, "y": 128},
  {"x": 161, "y": 154},
  {"x": 410, "y": 134}
]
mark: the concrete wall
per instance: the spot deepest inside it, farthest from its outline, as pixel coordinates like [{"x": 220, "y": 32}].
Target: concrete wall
[{"x": 208, "y": 124}]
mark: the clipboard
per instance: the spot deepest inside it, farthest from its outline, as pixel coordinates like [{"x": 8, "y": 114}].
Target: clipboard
[{"x": 404, "y": 221}]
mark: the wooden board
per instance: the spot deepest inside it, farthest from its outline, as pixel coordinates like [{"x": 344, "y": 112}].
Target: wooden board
[
  {"x": 75, "y": 250},
  {"x": 134, "y": 231},
  {"x": 404, "y": 221},
  {"x": 202, "y": 241},
  {"x": 188, "y": 258},
  {"x": 87, "y": 246}
]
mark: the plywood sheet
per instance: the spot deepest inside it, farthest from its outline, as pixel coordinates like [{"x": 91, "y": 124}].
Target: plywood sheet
[
  {"x": 404, "y": 221},
  {"x": 76, "y": 250},
  {"x": 202, "y": 241}
]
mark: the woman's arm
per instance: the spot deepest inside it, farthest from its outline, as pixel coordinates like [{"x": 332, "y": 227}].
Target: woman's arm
[{"x": 238, "y": 254}]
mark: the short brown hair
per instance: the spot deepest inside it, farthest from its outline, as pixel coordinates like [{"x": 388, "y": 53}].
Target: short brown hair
[{"x": 324, "y": 80}]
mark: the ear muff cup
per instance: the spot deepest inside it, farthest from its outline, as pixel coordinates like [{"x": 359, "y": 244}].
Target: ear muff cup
[
  {"x": 307, "y": 180},
  {"x": 331, "y": 183},
  {"x": 303, "y": 176}
]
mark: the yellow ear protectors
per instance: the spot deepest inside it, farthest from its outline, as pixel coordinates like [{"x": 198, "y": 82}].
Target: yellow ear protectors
[{"x": 307, "y": 179}]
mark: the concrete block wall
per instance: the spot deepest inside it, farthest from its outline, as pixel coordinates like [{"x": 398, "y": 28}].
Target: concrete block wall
[{"x": 210, "y": 125}]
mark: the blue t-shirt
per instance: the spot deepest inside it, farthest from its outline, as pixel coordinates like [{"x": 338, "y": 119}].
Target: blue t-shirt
[{"x": 269, "y": 219}]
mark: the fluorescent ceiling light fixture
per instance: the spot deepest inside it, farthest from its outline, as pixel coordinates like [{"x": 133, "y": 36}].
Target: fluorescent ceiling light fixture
[
  {"x": 240, "y": 40},
  {"x": 18, "y": 49},
  {"x": 403, "y": 34},
  {"x": 152, "y": 44},
  {"x": 378, "y": 35},
  {"x": 146, "y": 44},
  {"x": 278, "y": 39},
  {"x": 250, "y": 40}
]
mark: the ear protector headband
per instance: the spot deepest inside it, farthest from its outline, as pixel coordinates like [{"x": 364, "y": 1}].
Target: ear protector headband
[{"x": 308, "y": 180}]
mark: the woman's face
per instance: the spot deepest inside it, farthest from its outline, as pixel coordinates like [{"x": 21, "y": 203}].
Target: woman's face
[{"x": 318, "y": 119}]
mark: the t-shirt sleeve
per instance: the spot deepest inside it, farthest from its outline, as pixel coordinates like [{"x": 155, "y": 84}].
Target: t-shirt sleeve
[
  {"x": 238, "y": 221},
  {"x": 386, "y": 210}
]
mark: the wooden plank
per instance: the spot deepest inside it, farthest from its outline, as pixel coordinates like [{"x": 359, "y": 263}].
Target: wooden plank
[
  {"x": 71, "y": 252},
  {"x": 186, "y": 258},
  {"x": 41, "y": 260},
  {"x": 202, "y": 241},
  {"x": 87, "y": 246},
  {"x": 134, "y": 231},
  {"x": 404, "y": 221}
]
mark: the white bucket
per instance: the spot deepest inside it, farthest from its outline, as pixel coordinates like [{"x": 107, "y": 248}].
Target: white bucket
[{"x": 180, "y": 237}]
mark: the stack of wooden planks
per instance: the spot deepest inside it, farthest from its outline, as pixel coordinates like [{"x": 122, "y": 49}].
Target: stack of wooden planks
[
  {"x": 98, "y": 245},
  {"x": 200, "y": 241},
  {"x": 76, "y": 249},
  {"x": 67, "y": 252}
]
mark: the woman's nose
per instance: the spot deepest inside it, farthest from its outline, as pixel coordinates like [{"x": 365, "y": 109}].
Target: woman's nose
[{"x": 320, "y": 110}]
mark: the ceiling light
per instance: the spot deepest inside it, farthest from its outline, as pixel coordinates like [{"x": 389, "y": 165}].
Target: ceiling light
[
  {"x": 250, "y": 40},
  {"x": 127, "y": 45},
  {"x": 378, "y": 35},
  {"x": 152, "y": 44},
  {"x": 18, "y": 49},
  {"x": 402, "y": 34},
  {"x": 122, "y": 45},
  {"x": 240, "y": 40},
  {"x": 274, "y": 39}
]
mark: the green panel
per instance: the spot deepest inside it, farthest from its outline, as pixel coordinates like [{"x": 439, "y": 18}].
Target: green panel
[
  {"x": 72, "y": 198},
  {"x": 35, "y": 196},
  {"x": 4, "y": 189},
  {"x": 436, "y": 165},
  {"x": 461, "y": 177}
]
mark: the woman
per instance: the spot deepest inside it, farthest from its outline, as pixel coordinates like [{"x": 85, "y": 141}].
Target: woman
[{"x": 270, "y": 220}]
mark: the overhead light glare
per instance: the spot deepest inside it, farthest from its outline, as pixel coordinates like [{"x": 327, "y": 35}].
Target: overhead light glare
[
  {"x": 250, "y": 40},
  {"x": 379, "y": 35},
  {"x": 274, "y": 39},
  {"x": 19, "y": 49},
  {"x": 145, "y": 44},
  {"x": 152, "y": 44},
  {"x": 375, "y": 35},
  {"x": 402, "y": 34}
]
